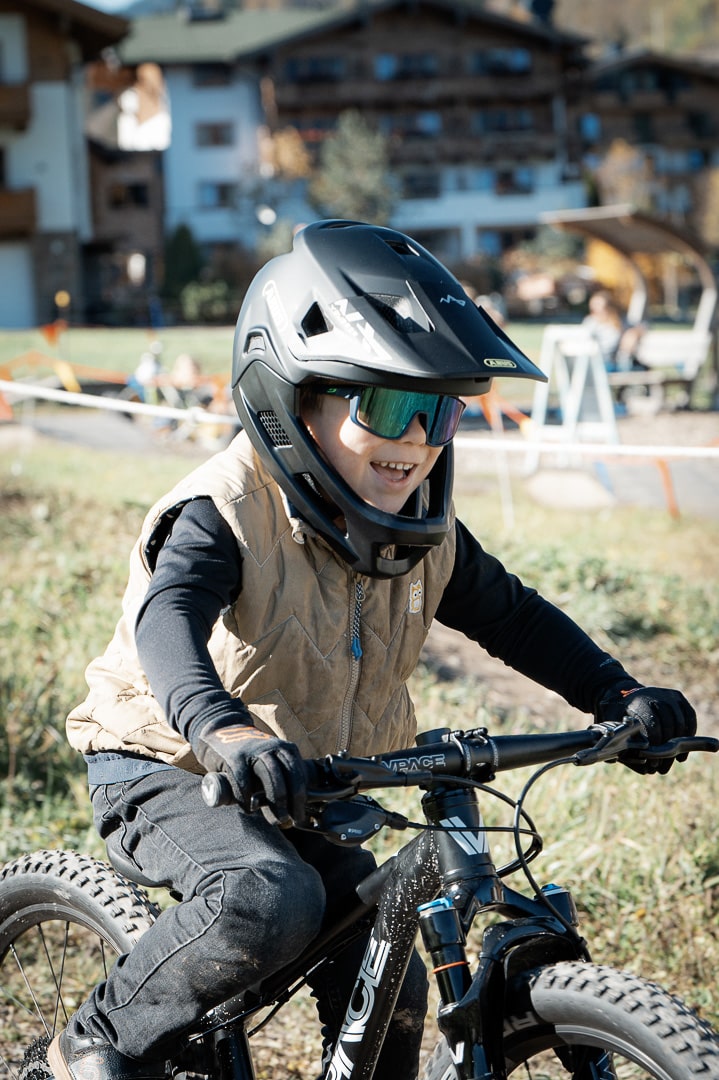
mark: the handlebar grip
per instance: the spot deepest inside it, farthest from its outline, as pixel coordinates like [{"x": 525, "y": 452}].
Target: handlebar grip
[{"x": 217, "y": 790}]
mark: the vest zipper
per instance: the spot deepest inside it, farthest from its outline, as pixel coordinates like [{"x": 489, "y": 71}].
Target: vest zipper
[{"x": 345, "y": 732}]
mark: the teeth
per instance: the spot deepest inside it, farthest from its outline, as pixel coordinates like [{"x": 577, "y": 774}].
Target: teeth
[{"x": 394, "y": 465}]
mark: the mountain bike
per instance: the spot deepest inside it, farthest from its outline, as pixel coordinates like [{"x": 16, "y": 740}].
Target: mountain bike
[{"x": 531, "y": 1004}]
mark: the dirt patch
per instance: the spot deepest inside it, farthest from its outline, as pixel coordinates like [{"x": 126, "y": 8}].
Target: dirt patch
[{"x": 451, "y": 656}]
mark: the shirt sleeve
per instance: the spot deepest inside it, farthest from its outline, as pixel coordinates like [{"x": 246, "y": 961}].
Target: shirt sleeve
[
  {"x": 198, "y": 573},
  {"x": 513, "y": 622}
]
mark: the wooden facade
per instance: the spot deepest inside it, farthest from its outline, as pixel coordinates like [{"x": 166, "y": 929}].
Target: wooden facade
[{"x": 443, "y": 86}]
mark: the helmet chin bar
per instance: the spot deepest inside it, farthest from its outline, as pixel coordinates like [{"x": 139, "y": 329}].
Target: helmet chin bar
[
  {"x": 319, "y": 494},
  {"x": 372, "y": 541},
  {"x": 366, "y": 533}
]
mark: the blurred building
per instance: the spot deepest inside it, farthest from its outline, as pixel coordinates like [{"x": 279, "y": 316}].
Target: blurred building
[
  {"x": 114, "y": 133},
  {"x": 45, "y": 211},
  {"x": 473, "y": 104},
  {"x": 128, "y": 129},
  {"x": 666, "y": 108}
]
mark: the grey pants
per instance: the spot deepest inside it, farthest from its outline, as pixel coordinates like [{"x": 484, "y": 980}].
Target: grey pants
[{"x": 253, "y": 897}]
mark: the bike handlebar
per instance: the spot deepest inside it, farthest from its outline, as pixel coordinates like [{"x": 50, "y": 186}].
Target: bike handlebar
[{"x": 473, "y": 755}]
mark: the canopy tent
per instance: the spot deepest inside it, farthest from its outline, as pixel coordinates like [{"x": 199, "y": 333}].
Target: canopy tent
[{"x": 633, "y": 232}]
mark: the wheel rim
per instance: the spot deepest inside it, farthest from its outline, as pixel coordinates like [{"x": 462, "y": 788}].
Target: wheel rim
[
  {"x": 617, "y": 1063},
  {"x": 51, "y": 959}
]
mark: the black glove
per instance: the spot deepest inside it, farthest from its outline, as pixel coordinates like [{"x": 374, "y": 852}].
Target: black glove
[
  {"x": 255, "y": 762},
  {"x": 662, "y": 715}
]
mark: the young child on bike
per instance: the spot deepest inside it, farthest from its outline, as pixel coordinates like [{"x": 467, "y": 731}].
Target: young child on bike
[{"x": 277, "y": 603}]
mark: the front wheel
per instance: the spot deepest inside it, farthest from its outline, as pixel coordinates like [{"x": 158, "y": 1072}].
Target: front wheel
[
  {"x": 64, "y": 919},
  {"x": 587, "y": 1022}
]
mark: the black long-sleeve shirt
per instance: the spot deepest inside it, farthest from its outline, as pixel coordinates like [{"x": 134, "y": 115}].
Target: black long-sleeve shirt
[{"x": 198, "y": 573}]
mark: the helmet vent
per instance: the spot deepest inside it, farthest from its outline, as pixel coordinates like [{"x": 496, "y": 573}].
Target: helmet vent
[
  {"x": 274, "y": 429},
  {"x": 255, "y": 343},
  {"x": 400, "y": 313},
  {"x": 314, "y": 322},
  {"x": 400, "y": 246}
]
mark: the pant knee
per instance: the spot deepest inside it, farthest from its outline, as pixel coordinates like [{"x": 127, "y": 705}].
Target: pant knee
[{"x": 272, "y": 914}]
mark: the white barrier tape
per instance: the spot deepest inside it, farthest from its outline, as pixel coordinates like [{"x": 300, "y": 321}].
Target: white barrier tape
[
  {"x": 507, "y": 444},
  {"x": 194, "y": 414},
  {"x": 585, "y": 449}
]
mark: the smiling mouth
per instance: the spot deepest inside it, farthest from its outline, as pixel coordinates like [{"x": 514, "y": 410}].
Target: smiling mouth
[{"x": 394, "y": 470}]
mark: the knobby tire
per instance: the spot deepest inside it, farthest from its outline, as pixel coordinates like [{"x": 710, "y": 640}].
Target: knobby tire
[
  {"x": 647, "y": 1033},
  {"x": 64, "y": 918}
]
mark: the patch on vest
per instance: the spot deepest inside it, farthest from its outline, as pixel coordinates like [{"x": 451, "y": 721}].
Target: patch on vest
[{"x": 415, "y": 597}]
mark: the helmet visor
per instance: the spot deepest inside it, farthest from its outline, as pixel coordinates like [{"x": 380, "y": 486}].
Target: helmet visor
[{"x": 388, "y": 413}]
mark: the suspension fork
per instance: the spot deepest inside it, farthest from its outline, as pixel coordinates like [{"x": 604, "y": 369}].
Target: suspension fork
[
  {"x": 472, "y": 1010},
  {"x": 414, "y": 881}
]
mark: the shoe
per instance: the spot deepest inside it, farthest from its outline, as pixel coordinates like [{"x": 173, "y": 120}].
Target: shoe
[{"x": 87, "y": 1057}]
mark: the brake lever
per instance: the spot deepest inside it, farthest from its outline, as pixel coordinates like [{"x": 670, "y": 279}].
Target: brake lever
[
  {"x": 674, "y": 747},
  {"x": 612, "y": 744},
  {"x": 614, "y": 740}
]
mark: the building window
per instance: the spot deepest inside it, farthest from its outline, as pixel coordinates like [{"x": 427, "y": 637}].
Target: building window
[
  {"x": 489, "y": 243},
  {"x": 214, "y": 134},
  {"x": 644, "y": 127},
  {"x": 590, "y": 127},
  {"x": 517, "y": 181},
  {"x": 489, "y": 121},
  {"x": 500, "y": 61},
  {"x": 424, "y": 124},
  {"x": 305, "y": 69},
  {"x": 123, "y": 196},
  {"x": 701, "y": 124},
  {"x": 211, "y": 75},
  {"x": 421, "y": 185},
  {"x": 213, "y": 195},
  {"x": 421, "y": 65}
]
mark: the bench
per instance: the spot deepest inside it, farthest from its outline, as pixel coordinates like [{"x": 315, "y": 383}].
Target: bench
[{"x": 671, "y": 358}]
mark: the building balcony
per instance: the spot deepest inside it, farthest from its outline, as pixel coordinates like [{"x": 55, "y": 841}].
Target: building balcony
[
  {"x": 18, "y": 216},
  {"x": 294, "y": 97},
  {"x": 474, "y": 148},
  {"x": 14, "y": 106}
]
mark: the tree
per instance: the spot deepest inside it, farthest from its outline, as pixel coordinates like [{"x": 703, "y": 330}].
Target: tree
[
  {"x": 290, "y": 157},
  {"x": 625, "y": 176},
  {"x": 706, "y": 216},
  {"x": 183, "y": 262},
  {"x": 353, "y": 180}
]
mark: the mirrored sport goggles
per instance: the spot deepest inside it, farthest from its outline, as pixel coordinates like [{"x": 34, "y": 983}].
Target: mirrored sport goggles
[{"x": 388, "y": 413}]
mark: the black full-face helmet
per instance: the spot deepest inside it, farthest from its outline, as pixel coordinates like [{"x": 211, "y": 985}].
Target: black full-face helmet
[{"x": 359, "y": 305}]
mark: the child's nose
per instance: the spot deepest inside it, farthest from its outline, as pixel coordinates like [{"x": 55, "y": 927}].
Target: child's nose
[{"x": 416, "y": 433}]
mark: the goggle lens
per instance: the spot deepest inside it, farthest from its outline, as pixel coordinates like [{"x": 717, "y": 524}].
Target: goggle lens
[{"x": 388, "y": 413}]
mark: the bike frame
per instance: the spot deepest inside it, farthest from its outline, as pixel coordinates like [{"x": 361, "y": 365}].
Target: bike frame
[{"x": 450, "y": 862}]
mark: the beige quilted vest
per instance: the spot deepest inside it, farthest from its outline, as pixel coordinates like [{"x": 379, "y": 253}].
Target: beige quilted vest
[{"x": 319, "y": 654}]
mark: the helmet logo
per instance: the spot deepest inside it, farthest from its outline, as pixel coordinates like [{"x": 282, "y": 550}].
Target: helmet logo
[
  {"x": 500, "y": 363},
  {"x": 415, "y": 597},
  {"x": 355, "y": 323},
  {"x": 275, "y": 305},
  {"x": 449, "y": 299}
]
